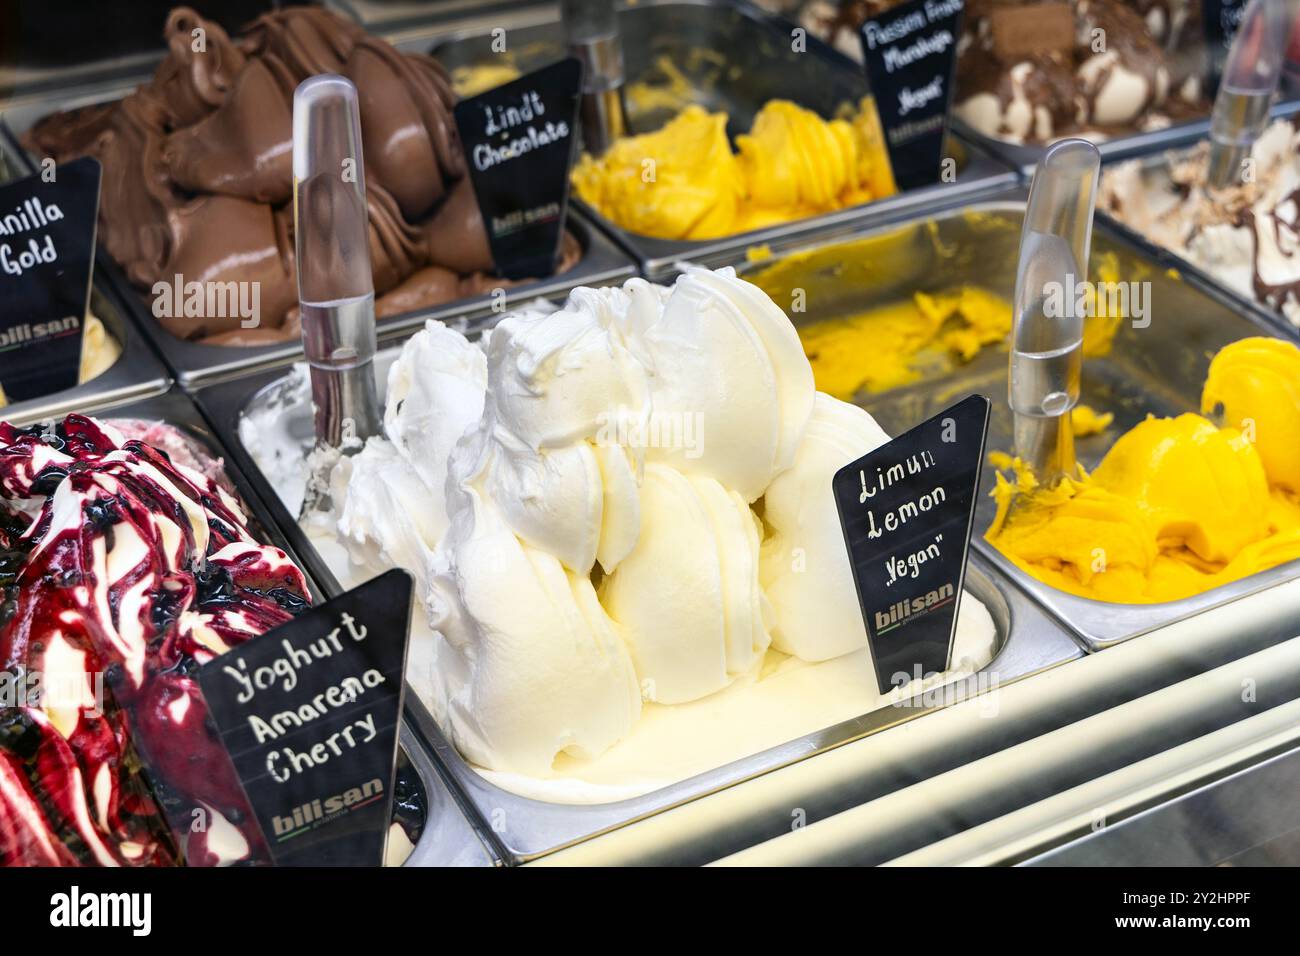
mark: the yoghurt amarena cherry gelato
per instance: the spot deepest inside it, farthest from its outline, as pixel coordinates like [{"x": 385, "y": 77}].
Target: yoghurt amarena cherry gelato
[
  {"x": 620, "y": 520},
  {"x": 1246, "y": 236},
  {"x": 197, "y": 178},
  {"x": 1178, "y": 505},
  {"x": 1143, "y": 70},
  {"x": 119, "y": 559}
]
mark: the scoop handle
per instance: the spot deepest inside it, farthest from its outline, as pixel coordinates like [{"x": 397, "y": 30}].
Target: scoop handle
[
  {"x": 1046, "y": 356},
  {"x": 336, "y": 294},
  {"x": 591, "y": 28},
  {"x": 1250, "y": 78}
]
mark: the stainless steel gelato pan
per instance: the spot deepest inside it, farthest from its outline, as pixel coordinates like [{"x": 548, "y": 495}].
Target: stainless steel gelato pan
[
  {"x": 598, "y": 261},
  {"x": 724, "y": 56},
  {"x": 1147, "y": 369},
  {"x": 522, "y": 827},
  {"x": 1255, "y": 273},
  {"x": 435, "y": 831}
]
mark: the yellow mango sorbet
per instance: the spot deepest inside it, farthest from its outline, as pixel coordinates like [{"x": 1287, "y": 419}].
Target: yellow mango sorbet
[
  {"x": 877, "y": 350},
  {"x": 684, "y": 181},
  {"x": 1178, "y": 505}
]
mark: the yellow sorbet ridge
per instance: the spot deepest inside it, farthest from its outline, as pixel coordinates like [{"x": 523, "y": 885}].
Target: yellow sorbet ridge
[
  {"x": 1178, "y": 505},
  {"x": 876, "y": 350},
  {"x": 684, "y": 181}
]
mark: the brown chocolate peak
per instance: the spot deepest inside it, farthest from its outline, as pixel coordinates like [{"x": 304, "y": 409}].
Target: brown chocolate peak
[
  {"x": 411, "y": 144},
  {"x": 245, "y": 147},
  {"x": 395, "y": 245},
  {"x": 198, "y": 168},
  {"x": 199, "y": 69},
  {"x": 308, "y": 40}
]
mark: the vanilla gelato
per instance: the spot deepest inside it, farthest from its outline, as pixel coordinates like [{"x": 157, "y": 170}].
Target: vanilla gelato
[{"x": 619, "y": 517}]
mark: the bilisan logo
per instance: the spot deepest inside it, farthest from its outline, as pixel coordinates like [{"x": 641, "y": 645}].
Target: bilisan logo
[
  {"x": 324, "y": 809},
  {"x": 75, "y": 908},
  {"x": 898, "y": 614},
  {"x": 27, "y": 332}
]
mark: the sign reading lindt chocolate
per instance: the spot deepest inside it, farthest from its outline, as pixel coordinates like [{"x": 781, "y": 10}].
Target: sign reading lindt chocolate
[
  {"x": 309, "y": 713},
  {"x": 910, "y": 53},
  {"x": 906, "y": 510},
  {"x": 519, "y": 142},
  {"x": 47, "y": 250}
]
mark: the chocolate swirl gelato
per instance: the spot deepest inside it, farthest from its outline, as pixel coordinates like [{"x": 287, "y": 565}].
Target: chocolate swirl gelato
[
  {"x": 1132, "y": 65},
  {"x": 198, "y": 180}
]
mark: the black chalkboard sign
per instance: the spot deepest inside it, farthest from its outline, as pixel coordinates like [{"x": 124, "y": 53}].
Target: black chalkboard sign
[
  {"x": 910, "y": 52},
  {"x": 906, "y": 510},
  {"x": 1220, "y": 20},
  {"x": 47, "y": 250},
  {"x": 519, "y": 141},
  {"x": 309, "y": 713}
]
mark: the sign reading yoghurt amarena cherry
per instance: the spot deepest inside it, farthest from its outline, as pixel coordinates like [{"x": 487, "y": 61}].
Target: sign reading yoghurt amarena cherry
[
  {"x": 906, "y": 511},
  {"x": 309, "y": 713}
]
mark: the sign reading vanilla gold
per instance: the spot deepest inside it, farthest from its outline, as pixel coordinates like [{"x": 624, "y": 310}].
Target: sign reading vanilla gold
[
  {"x": 519, "y": 140},
  {"x": 906, "y": 510},
  {"x": 309, "y": 713},
  {"x": 47, "y": 250}
]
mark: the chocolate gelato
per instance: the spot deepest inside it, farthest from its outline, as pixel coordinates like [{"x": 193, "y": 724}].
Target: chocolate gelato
[
  {"x": 198, "y": 185},
  {"x": 1129, "y": 65}
]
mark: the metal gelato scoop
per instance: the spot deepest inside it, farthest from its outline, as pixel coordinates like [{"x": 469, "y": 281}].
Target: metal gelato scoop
[
  {"x": 336, "y": 291},
  {"x": 1250, "y": 78},
  {"x": 592, "y": 30},
  {"x": 1047, "y": 331}
]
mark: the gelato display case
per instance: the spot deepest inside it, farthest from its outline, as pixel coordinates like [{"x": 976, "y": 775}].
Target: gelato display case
[
  {"x": 729, "y": 60},
  {"x": 639, "y": 599}
]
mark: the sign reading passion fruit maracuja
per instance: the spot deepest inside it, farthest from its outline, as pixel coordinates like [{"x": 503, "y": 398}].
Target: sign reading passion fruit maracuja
[
  {"x": 309, "y": 713},
  {"x": 47, "y": 250},
  {"x": 519, "y": 140},
  {"x": 906, "y": 510},
  {"x": 1220, "y": 20},
  {"x": 910, "y": 52}
]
